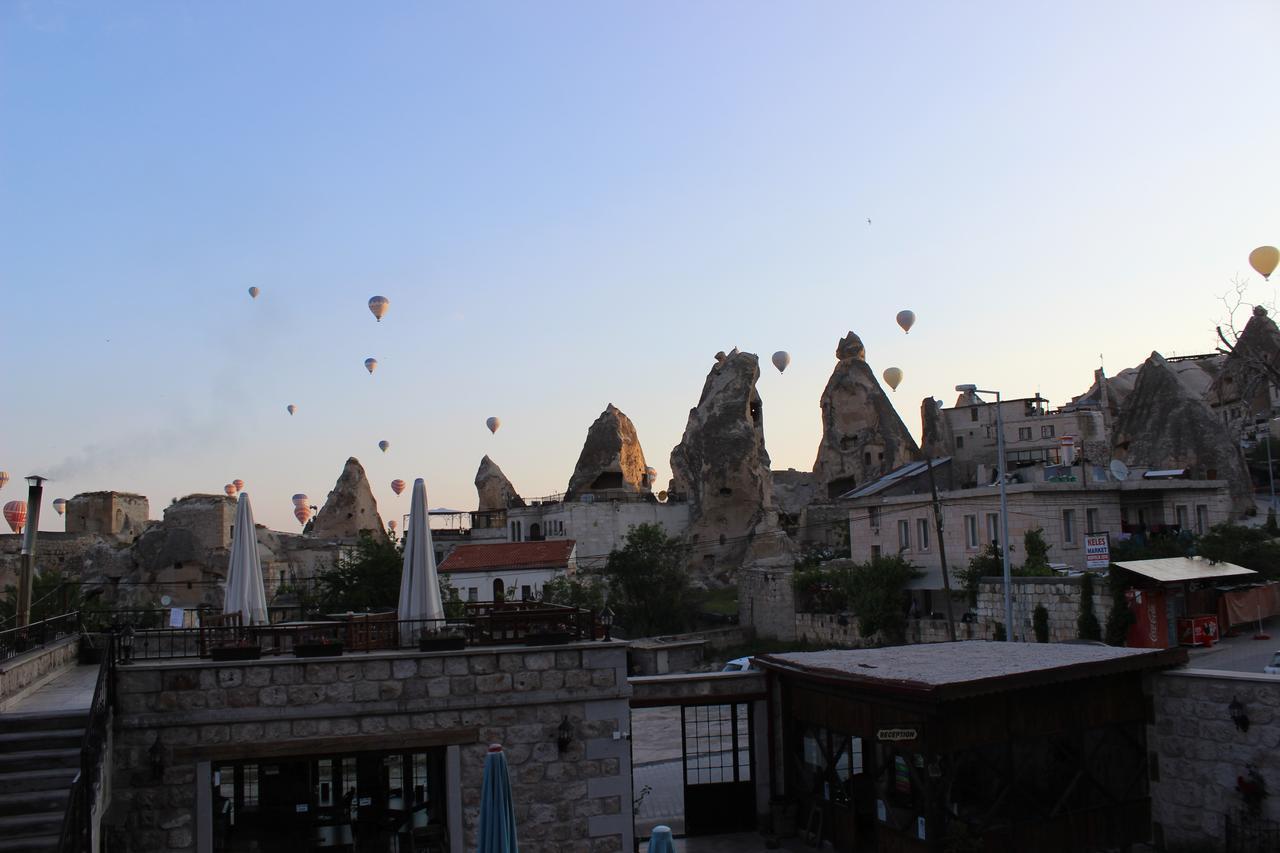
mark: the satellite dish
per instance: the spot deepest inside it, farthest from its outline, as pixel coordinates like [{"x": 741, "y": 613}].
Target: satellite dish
[
  {"x": 662, "y": 495},
  {"x": 1119, "y": 470},
  {"x": 166, "y": 600}
]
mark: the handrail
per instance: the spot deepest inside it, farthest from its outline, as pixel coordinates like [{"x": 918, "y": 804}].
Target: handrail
[
  {"x": 77, "y": 824},
  {"x": 15, "y": 641}
]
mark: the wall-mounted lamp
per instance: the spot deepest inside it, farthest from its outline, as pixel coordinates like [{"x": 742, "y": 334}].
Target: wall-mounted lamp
[
  {"x": 606, "y": 621},
  {"x": 564, "y": 734},
  {"x": 156, "y": 755},
  {"x": 1238, "y": 715}
]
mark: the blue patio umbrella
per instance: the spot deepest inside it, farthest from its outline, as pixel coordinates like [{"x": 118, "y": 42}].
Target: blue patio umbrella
[
  {"x": 497, "y": 810},
  {"x": 660, "y": 841}
]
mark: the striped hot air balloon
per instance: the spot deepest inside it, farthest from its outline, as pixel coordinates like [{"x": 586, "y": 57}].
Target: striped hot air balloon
[
  {"x": 397, "y": 486},
  {"x": 300, "y": 500},
  {"x": 378, "y": 306},
  {"x": 4, "y": 478},
  {"x": 15, "y": 512},
  {"x": 302, "y": 513},
  {"x": 60, "y": 506}
]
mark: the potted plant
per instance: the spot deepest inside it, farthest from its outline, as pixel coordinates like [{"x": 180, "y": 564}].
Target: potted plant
[
  {"x": 318, "y": 647},
  {"x": 441, "y": 640},
  {"x": 241, "y": 649}
]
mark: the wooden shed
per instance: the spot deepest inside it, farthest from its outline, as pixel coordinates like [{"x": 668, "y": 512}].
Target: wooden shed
[{"x": 966, "y": 746}]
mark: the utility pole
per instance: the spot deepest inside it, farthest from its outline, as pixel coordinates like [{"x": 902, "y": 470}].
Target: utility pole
[
  {"x": 942, "y": 547},
  {"x": 35, "y": 489}
]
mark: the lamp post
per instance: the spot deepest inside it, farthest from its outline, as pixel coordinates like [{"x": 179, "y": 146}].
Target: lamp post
[
  {"x": 35, "y": 490},
  {"x": 1004, "y": 509}
]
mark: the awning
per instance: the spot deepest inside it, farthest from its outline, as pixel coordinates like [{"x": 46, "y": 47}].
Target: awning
[{"x": 1178, "y": 569}]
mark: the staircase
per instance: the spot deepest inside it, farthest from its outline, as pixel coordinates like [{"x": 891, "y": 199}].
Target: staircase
[{"x": 39, "y": 759}]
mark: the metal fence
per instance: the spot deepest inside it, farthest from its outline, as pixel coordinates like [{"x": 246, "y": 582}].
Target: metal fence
[
  {"x": 15, "y": 641},
  {"x": 77, "y": 824}
]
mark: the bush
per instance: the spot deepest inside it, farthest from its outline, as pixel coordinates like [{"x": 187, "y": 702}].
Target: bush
[
  {"x": 1087, "y": 626},
  {"x": 1040, "y": 623},
  {"x": 986, "y": 564},
  {"x": 1251, "y": 547},
  {"x": 648, "y": 582},
  {"x": 582, "y": 590},
  {"x": 877, "y": 592},
  {"x": 366, "y": 578},
  {"x": 1037, "y": 550}
]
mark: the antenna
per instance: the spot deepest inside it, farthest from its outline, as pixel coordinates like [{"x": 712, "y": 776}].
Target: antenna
[{"x": 1119, "y": 470}]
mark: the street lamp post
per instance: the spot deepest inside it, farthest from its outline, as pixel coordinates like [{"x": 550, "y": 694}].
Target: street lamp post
[
  {"x": 35, "y": 491},
  {"x": 1004, "y": 509}
]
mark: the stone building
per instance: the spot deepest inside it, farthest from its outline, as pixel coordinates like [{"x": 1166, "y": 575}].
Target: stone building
[
  {"x": 108, "y": 513},
  {"x": 510, "y": 571}
]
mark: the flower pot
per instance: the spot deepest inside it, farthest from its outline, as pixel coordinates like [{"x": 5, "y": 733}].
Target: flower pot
[
  {"x": 317, "y": 650},
  {"x": 235, "y": 652},
  {"x": 441, "y": 644}
]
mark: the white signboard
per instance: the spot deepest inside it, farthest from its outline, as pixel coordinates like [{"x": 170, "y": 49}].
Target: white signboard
[
  {"x": 1097, "y": 551},
  {"x": 175, "y": 617}
]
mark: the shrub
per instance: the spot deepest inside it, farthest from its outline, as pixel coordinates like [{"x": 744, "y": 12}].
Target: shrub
[{"x": 1087, "y": 626}]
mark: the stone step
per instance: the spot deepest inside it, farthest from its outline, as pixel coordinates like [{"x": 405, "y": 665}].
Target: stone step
[
  {"x": 34, "y": 802},
  {"x": 57, "y": 778},
  {"x": 45, "y": 739},
  {"x": 29, "y": 844},
  {"x": 38, "y": 759},
  {"x": 27, "y": 722},
  {"x": 22, "y": 826}
]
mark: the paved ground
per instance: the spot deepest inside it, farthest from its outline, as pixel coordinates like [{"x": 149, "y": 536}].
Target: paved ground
[
  {"x": 1241, "y": 653},
  {"x": 69, "y": 690}
]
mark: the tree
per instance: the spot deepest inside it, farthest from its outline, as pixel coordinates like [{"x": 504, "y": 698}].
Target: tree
[
  {"x": 986, "y": 564},
  {"x": 648, "y": 584},
  {"x": 1121, "y": 618},
  {"x": 876, "y": 591},
  {"x": 1087, "y": 623},
  {"x": 584, "y": 591},
  {"x": 367, "y": 577},
  {"x": 1037, "y": 562},
  {"x": 1251, "y": 547}
]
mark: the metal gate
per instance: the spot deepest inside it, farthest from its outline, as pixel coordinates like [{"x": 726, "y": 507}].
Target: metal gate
[{"x": 719, "y": 791}]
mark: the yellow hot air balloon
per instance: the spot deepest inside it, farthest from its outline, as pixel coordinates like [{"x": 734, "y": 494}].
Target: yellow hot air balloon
[
  {"x": 906, "y": 319},
  {"x": 292, "y": 408},
  {"x": 383, "y": 445},
  {"x": 378, "y": 305},
  {"x": 253, "y": 292},
  {"x": 371, "y": 364},
  {"x": 1265, "y": 259},
  {"x": 892, "y": 377},
  {"x": 492, "y": 424}
]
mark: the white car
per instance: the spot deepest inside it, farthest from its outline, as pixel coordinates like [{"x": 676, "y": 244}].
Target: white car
[
  {"x": 740, "y": 665},
  {"x": 1273, "y": 668}
]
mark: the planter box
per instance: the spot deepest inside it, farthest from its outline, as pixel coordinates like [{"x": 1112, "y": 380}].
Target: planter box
[
  {"x": 317, "y": 650},
  {"x": 235, "y": 652},
  {"x": 548, "y": 638},
  {"x": 441, "y": 644}
]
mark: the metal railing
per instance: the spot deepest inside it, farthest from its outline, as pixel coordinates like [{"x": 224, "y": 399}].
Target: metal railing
[
  {"x": 15, "y": 641},
  {"x": 1249, "y": 833},
  {"x": 77, "y": 824},
  {"x": 480, "y": 624}
]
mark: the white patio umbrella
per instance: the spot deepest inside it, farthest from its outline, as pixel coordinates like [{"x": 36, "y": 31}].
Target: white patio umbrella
[
  {"x": 244, "y": 574},
  {"x": 419, "y": 587}
]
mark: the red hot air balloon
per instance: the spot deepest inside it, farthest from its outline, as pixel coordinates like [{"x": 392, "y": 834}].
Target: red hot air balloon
[
  {"x": 15, "y": 512},
  {"x": 302, "y": 513},
  {"x": 230, "y": 489},
  {"x": 397, "y": 486}
]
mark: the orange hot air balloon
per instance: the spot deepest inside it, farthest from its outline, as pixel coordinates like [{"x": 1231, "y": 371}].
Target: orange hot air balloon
[
  {"x": 301, "y": 500},
  {"x": 397, "y": 486},
  {"x": 302, "y": 513},
  {"x": 239, "y": 484},
  {"x": 230, "y": 489},
  {"x": 1265, "y": 259},
  {"x": 15, "y": 512},
  {"x": 60, "y": 506}
]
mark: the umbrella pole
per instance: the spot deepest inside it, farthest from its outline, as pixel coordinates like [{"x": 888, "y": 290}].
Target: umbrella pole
[{"x": 1261, "y": 635}]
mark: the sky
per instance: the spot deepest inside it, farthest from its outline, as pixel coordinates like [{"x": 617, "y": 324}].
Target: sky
[{"x": 571, "y": 204}]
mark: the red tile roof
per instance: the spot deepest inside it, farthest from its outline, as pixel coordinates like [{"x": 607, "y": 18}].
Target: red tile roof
[{"x": 553, "y": 554}]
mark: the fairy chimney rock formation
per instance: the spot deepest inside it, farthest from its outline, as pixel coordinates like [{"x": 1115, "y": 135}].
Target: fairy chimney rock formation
[
  {"x": 722, "y": 468},
  {"x": 350, "y": 509},
  {"x": 493, "y": 488},
  {"x": 936, "y": 436},
  {"x": 862, "y": 436},
  {"x": 1164, "y": 424},
  {"x": 612, "y": 461}
]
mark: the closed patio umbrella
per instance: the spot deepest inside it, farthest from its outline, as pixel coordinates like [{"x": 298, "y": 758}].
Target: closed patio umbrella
[
  {"x": 244, "y": 593},
  {"x": 497, "y": 810},
  {"x": 419, "y": 587}
]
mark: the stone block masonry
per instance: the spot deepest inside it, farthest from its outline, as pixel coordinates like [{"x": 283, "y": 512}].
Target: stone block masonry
[
  {"x": 1059, "y": 595},
  {"x": 577, "y": 800}
]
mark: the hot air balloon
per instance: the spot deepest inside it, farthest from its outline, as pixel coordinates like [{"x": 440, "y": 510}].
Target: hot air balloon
[
  {"x": 292, "y": 408},
  {"x": 300, "y": 500},
  {"x": 239, "y": 484},
  {"x": 906, "y": 319},
  {"x": 230, "y": 489},
  {"x": 4, "y": 478},
  {"x": 371, "y": 364},
  {"x": 378, "y": 305},
  {"x": 492, "y": 424},
  {"x": 397, "y": 486},
  {"x": 253, "y": 292},
  {"x": 1264, "y": 259},
  {"x": 893, "y": 376},
  {"x": 302, "y": 513},
  {"x": 60, "y": 506},
  {"x": 15, "y": 512},
  {"x": 392, "y": 525},
  {"x": 781, "y": 359},
  {"x": 652, "y": 474},
  {"x": 383, "y": 445}
]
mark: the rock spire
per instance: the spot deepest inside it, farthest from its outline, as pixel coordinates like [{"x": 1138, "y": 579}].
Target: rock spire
[
  {"x": 350, "y": 509},
  {"x": 612, "y": 461}
]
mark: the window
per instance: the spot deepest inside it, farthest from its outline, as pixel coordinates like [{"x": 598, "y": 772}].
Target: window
[
  {"x": 993, "y": 527},
  {"x": 973, "y": 413},
  {"x": 904, "y": 535},
  {"x": 959, "y": 442},
  {"x": 473, "y": 593},
  {"x": 1068, "y": 527},
  {"x": 922, "y": 533},
  {"x": 875, "y": 552},
  {"x": 1091, "y": 520},
  {"x": 1024, "y": 433},
  {"x": 971, "y": 531},
  {"x": 1046, "y": 431},
  {"x": 1183, "y": 516},
  {"x": 1202, "y": 519},
  {"x": 873, "y": 515},
  {"x": 526, "y": 592}
]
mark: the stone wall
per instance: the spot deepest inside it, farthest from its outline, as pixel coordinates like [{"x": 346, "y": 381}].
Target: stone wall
[
  {"x": 767, "y": 602},
  {"x": 842, "y": 630},
  {"x": 200, "y": 712},
  {"x": 21, "y": 672},
  {"x": 1059, "y": 595},
  {"x": 601, "y": 526},
  {"x": 107, "y": 513},
  {"x": 1198, "y": 753}
]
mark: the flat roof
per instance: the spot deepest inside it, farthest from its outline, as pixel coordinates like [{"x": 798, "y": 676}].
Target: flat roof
[
  {"x": 894, "y": 477},
  {"x": 1177, "y": 569},
  {"x": 942, "y": 671}
]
